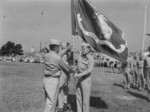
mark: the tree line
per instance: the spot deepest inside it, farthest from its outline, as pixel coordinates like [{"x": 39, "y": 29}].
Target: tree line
[{"x": 11, "y": 49}]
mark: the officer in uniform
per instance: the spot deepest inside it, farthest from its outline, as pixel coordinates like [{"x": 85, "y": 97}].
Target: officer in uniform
[
  {"x": 134, "y": 72},
  {"x": 53, "y": 67},
  {"x": 83, "y": 87},
  {"x": 147, "y": 71},
  {"x": 141, "y": 79},
  {"x": 128, "y": 68}
]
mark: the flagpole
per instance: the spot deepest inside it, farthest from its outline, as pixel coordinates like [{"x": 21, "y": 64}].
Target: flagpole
[
  {"x": 40, "y": 45},
  {"x": 144, "y": 28},
  {"x": 73, "y": 26},
  {"x": 73, "y": 47}
]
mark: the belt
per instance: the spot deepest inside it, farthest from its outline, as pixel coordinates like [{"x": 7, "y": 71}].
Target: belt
[
  {"x": 86, "y": 76},
  {"x": 52, "y": 76}
]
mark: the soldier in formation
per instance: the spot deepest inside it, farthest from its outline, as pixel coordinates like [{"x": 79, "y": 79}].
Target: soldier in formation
[
  {"x": 140, "y": 71},
  {"x": 147, "y": 73}
]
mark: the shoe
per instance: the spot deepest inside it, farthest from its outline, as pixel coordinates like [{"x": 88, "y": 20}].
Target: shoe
[
  {"x": 67, "y": 107},
  {"x": 124, "y": 87},
  {"x": 60, "y": 110},
  {"x": 128, "y": 87},
  {"x": 134, "y": 85},
  {"x": 140, "y": 89}
]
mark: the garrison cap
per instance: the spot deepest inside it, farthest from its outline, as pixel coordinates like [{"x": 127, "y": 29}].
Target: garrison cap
[
  {"x": 55, "y": 42},
  {"x": 85, "y": 44}
]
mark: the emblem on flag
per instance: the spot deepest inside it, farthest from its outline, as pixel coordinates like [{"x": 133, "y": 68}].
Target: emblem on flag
[{"x": 106, "y": 30}]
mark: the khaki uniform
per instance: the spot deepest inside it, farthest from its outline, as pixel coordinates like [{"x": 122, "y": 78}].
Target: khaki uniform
[
  {"x": 141, "y": 79},
  {"x": 147, "y": 70},
  {"x": 127, "y": 72},
  {"x": 53, "y": 68},
  {"x": 83, "y": 87},
  {"x": 64, "y": 89},
  {"x": 134, "y": 72}
]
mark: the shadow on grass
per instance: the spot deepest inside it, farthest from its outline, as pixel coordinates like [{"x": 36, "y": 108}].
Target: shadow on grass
[
  {"x": 95, "y": 102},
  {"x": 133, "y": 87},
  {"x": 115, "y": 71},
  {"x": 108, "y": 71},
  {"x": 118, "y": 85},
  {"x": 137, "y": 95},
  {"x": 121, "y": 85}
]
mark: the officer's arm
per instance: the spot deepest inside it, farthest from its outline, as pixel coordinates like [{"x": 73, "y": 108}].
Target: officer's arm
[
  {"x": 65, "y": 50},
  {"x": 65, "y": 67},
  {"x": 44, "y": 58},
  {"x": 137, "y": 63},
  {"x": 144, "y": 63},
  {"x": 90, "y": 68},
  {"x": 63, "y": 53}
]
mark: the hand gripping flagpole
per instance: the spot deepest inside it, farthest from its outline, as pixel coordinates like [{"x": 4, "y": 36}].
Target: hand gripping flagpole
[{"x": 144, "y": 28}]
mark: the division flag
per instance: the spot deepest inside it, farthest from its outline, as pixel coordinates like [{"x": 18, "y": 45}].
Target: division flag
[{"x": 97, "y": 30}]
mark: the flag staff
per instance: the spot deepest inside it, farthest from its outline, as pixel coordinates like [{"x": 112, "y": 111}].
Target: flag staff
[
  {"x": 73, "y": 47},
  {"x": 144, "y": 28},
  {"x": 73, "y": 27},
  {"x": 40, "y": 45}
]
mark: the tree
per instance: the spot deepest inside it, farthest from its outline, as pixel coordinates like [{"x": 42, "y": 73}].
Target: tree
[
  {"x": 10, "y": 48},
  {"x": 17, "y": 49}
]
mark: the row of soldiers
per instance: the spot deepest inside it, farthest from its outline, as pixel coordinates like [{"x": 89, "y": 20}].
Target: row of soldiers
[
  {"x": 57, "y": 70},
  {"x": 138, "y": 66}
]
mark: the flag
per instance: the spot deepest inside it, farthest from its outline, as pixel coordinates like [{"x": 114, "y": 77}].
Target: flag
[
  {"x": 148, "y": 34},
  {"x": 97, "y": 30}
]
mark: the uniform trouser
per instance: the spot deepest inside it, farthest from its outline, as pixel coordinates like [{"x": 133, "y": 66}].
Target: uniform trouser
[
  {"x": 141, "y": 79},
  {"x": 63, "y": 92},
  {"x": 148, "y": 78},
  {"x": 51, "y": 87},
  {"x": 112, "y": 68},
  {"x": 127, "y": 77},
  {"x": 83, "y": 91},
  {"x": 135, "y": 77}
]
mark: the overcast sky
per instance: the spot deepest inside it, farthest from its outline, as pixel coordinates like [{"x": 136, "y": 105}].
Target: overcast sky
[{"x": 30, "y": 21}]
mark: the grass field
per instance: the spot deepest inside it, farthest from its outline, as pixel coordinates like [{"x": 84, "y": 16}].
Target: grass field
[{"x": 21, "y": 90}]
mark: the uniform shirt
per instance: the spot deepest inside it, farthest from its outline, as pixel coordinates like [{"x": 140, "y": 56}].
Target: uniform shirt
[
  {"x": 135, "y": 65},
  {"x": 85, "y": 64},
  {"x": 140, "y": 64},
  {"x": 130, "y": 63},
  {"x": 147, "y": 62},
  {"x": 54, "y": 65}
]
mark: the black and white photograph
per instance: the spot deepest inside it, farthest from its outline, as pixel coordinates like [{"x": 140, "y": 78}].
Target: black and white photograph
[{"x": 74, "y": 55}]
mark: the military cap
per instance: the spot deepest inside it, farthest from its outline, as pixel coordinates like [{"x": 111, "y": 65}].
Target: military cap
[
  {"x": 85, "y": 44},
  {"x": 54, "y": 42}
]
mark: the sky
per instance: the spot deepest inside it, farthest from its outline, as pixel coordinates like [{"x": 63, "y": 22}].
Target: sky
[{"x": 30, "y": 21}]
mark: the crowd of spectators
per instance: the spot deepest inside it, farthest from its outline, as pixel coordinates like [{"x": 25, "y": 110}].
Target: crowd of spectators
[
  {"x": 27, "y": 58},
  {"x": 100, "y": 59}
]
